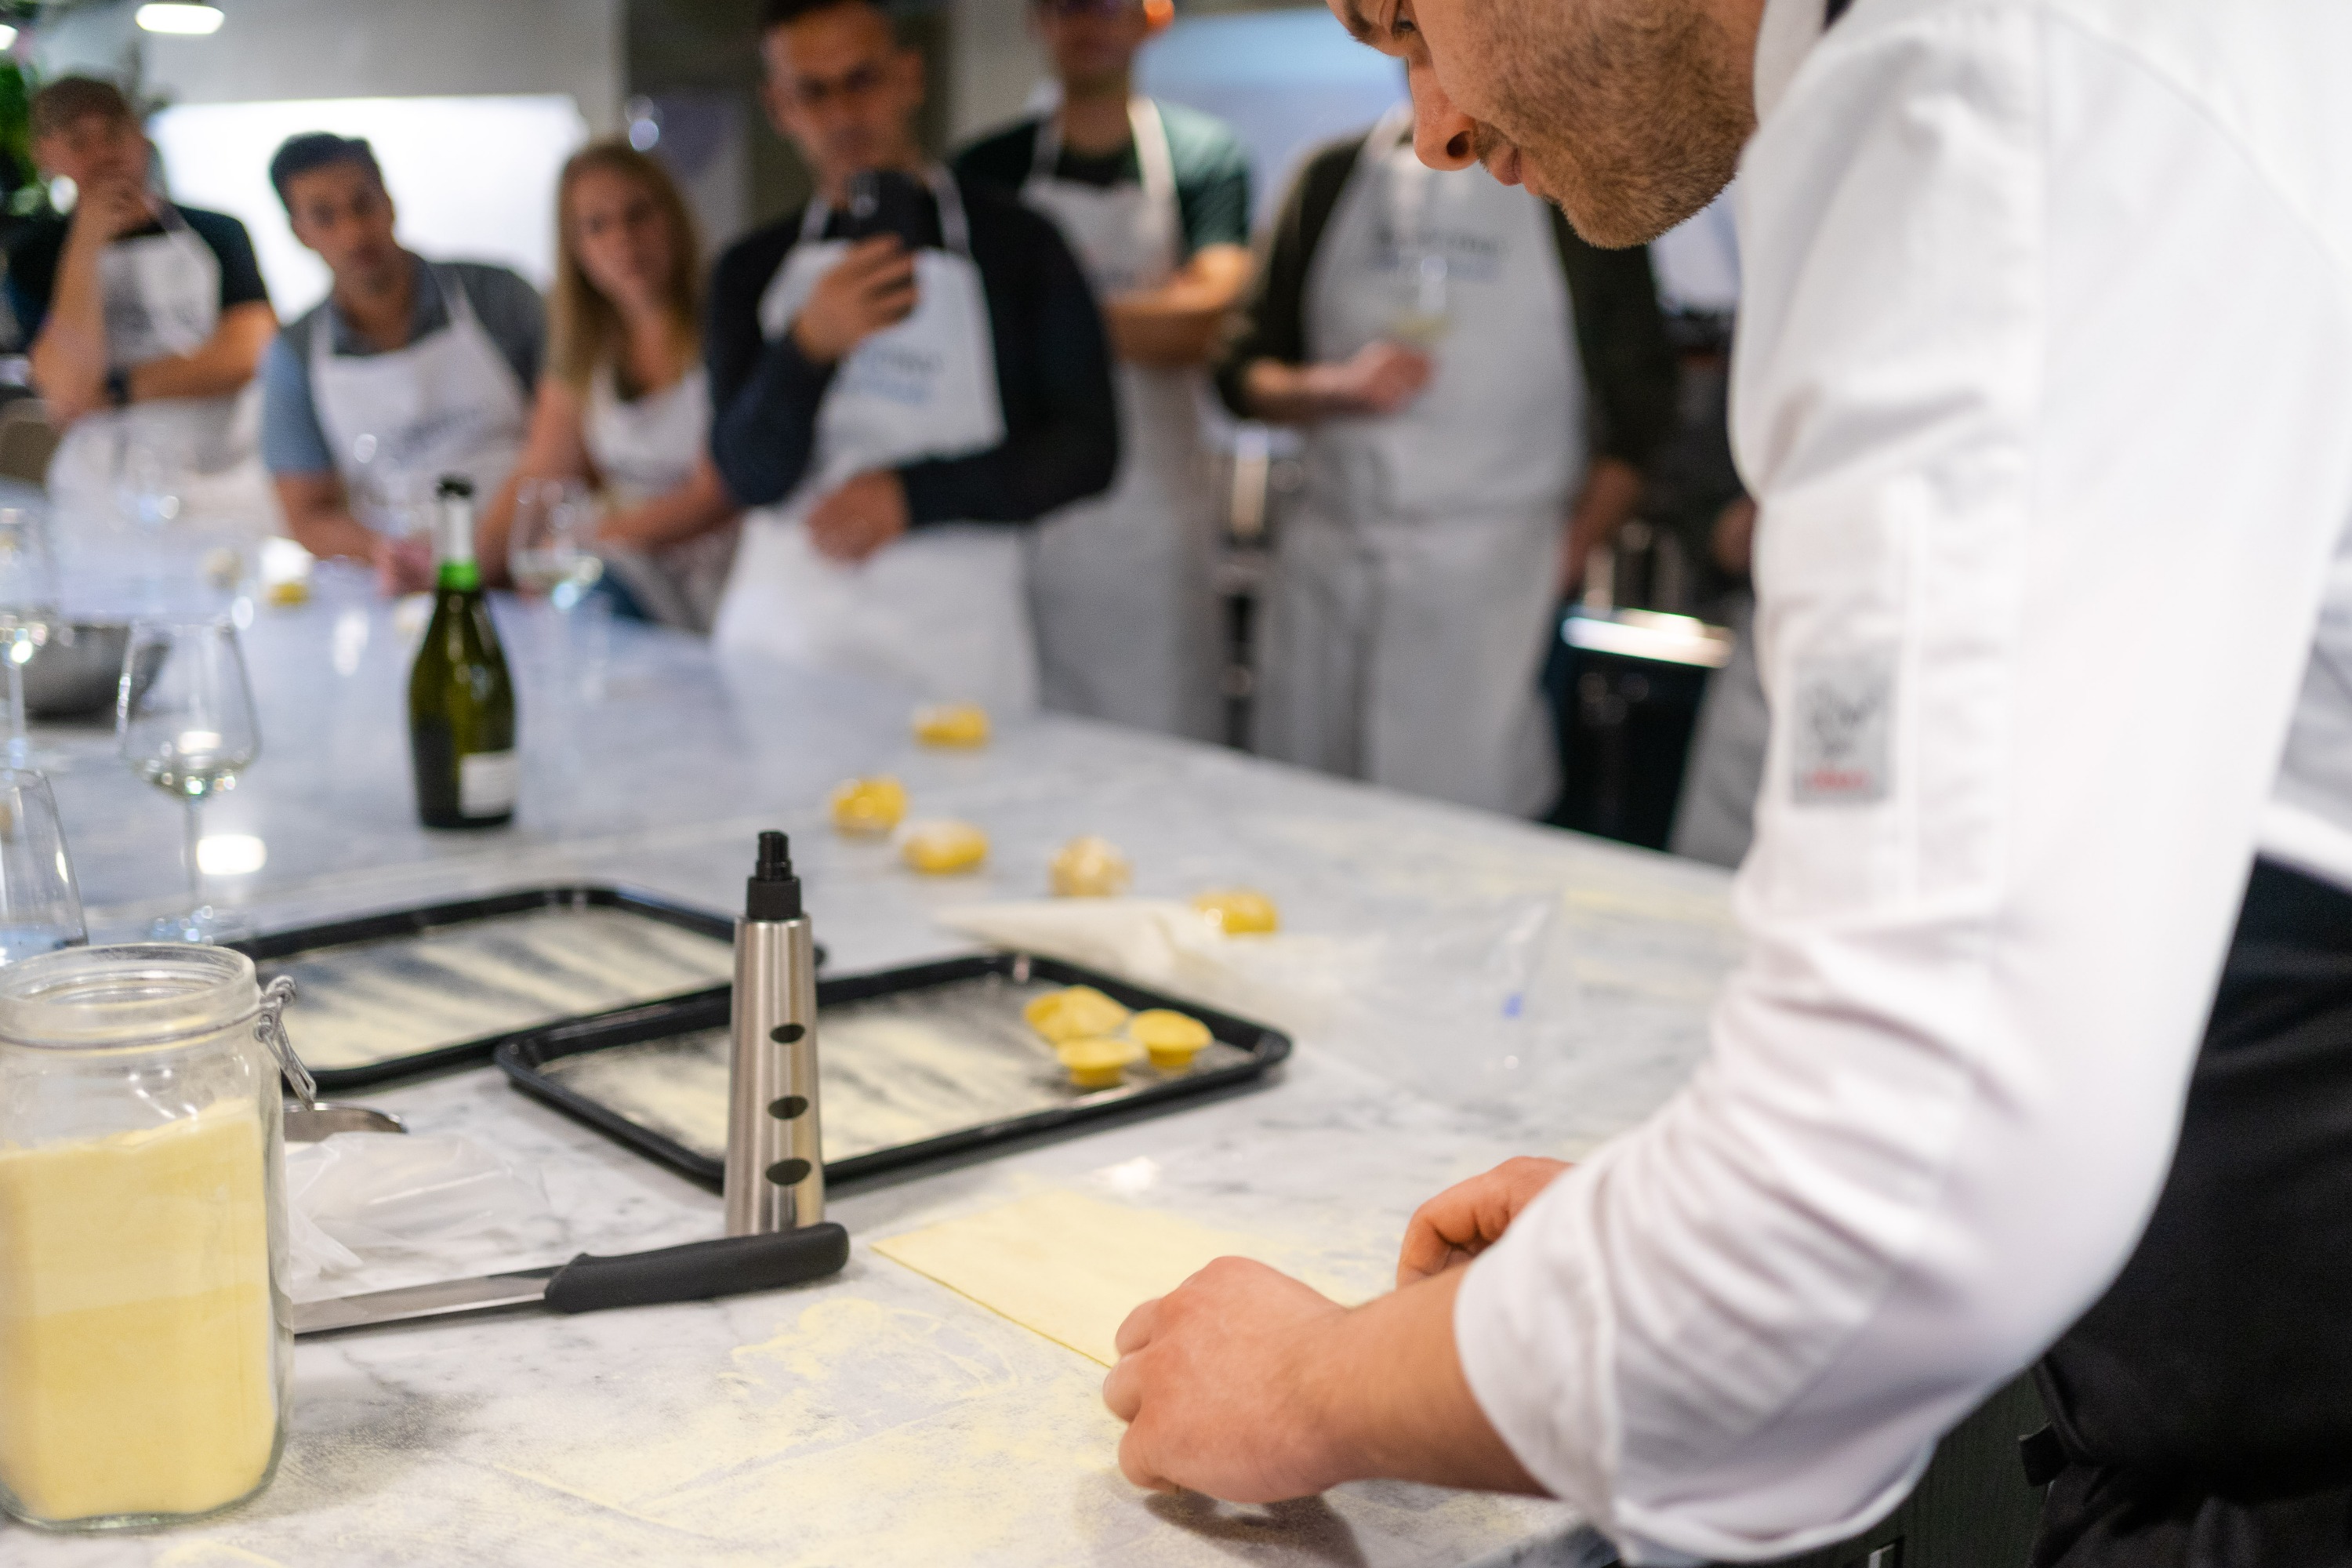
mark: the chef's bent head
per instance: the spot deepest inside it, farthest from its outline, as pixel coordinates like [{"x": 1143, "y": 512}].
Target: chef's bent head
[
  {"x": 842, "y": 87},
  {"x": 1629, "y": 114},
  {"x": 337, "y": 204}
]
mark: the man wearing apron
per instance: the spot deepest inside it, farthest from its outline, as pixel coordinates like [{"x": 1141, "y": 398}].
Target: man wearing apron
[
  {"x": 1155, "y": 200},
  {"x": 147, "y": 320},
  {"x": 407, "y": 371},
  {"x": 1452, "y": 352},
  {"x": 2041, "y": 1049},
  {"x": 890, "y": 404}
]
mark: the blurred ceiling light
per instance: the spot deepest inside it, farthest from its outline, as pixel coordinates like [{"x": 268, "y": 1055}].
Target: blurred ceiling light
[
  {"x": 189, "y": 18},
  {"x": 231, "y": 855},
  {"x": 7, "y": 36}
]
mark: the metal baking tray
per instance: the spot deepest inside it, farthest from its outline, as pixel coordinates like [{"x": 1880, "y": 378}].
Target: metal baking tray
[
  {"x": 916, "y": 1064},
  {"x": 413, "y": 990}
]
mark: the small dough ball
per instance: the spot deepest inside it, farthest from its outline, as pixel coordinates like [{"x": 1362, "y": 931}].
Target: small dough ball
[
  {"x": 1075, "y": 1013},
  {"x": 293, "y": 591},
  {"x": 941, "y": 849},
  {"x": 1239, "y": 912},
  {"x": 1091, "y": 868},
  {"x": 952, "y": 724},
  {"x": 1098, "y": 1062},
  {"x": 868, "y": 807},
  {"x": 1172, "y": 1038}
]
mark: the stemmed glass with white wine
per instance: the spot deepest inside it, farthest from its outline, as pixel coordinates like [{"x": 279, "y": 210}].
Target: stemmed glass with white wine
[
  {"x": 183, "y": 718},
  {"x": 550, "y": 549},
  {"x": 28, "y": 609}
]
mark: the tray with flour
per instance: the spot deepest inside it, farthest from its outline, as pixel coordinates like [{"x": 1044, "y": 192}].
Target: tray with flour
[
  {"x": 412, "y": 990},
  {"x": 916, "y": 1064}
]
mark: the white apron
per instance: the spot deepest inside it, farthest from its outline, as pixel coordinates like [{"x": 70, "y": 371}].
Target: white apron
[
  {"x": 1410, "y": 608},
  {"x": 1123, "y": 585},
  {"x": 397, "y": 422},
  {"x": 942, "y": 608},
  {"x": 645, "y": 449},
  {"x": 1716, "y": 819},
  {"x": 162, "y": 295}
]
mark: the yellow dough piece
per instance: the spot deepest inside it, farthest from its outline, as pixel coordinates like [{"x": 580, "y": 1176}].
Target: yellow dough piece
[
  {"x": 1172, "y": 1038},
  {"x": 293, "y": 591},
  {"x": 1072, "y": 1267},
  {"x": 1239, "y": 912},
  {"x": 1100, "y": 1062},
  {"x": 941, "y": 849},
  {"x": 868, "y": 807},
  {"x": 1091, "y": 868},
  {"x": 952, "y": 724},
  {"x": 1075, "y": 1013}
]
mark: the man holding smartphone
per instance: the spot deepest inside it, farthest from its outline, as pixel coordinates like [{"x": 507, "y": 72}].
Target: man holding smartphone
[{"x": 901, "y": 370}]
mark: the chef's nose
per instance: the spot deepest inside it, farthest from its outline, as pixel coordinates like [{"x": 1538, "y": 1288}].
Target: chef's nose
[{"x": 1442, "y": 134}]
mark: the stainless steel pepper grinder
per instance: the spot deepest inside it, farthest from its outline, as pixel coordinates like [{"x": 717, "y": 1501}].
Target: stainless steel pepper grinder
[{"x": 775, "y": 1157}]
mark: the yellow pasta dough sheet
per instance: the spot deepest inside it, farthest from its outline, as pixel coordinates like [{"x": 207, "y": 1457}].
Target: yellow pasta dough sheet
[{"x": 1067, "y": 1265}]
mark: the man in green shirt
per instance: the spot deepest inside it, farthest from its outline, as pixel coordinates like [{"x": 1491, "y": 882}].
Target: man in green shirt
[{"x": 1154, "y": 199}]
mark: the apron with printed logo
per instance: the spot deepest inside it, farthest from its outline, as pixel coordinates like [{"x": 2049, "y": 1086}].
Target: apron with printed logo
[
  {"x": 944, "y": 607},
  {"x": 1410, "y": 606},
  {"x": 644, "y": 448},
  {"x": 1124, "y": 584},
  {"x": 448, "y": 403},
  {"x": 161, "y": 294}
]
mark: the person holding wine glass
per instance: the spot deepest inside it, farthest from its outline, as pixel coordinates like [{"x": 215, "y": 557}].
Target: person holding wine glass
[
  {"x": 184, "y": 722},
  {"x": 624, "y": 403}
]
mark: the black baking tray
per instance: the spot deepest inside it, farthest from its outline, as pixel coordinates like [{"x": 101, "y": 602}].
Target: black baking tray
[
  {"x": 267, "y": 949},
  {"x": 524, "y": 1057}
]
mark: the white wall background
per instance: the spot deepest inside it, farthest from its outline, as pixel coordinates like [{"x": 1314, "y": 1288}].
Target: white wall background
[{"x": 474, "y": 178}]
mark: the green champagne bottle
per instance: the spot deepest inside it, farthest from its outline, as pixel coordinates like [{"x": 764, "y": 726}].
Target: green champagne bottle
[{"x": 461, "y": 704}]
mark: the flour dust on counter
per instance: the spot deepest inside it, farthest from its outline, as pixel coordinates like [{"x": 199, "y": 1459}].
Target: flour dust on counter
[
  {"x": 371, "y": 1002},
  {"x": 892, "y": 1070}
]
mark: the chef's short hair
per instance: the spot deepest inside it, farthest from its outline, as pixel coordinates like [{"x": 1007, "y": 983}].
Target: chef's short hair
[
  {"x": 73, "y": 97},
  {"x": 299, "y": 155},
  {"x": 775, "y": 14}
]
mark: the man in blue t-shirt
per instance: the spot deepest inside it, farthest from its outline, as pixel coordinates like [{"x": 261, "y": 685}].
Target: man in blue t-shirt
[
  {"x": 142, "y": 315},
  {"x": 1155, "y": 200},
  {"x": 408, "y": 371}
]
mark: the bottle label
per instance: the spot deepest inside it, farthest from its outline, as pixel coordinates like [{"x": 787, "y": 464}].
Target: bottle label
[{"x": 487, "y": 783}]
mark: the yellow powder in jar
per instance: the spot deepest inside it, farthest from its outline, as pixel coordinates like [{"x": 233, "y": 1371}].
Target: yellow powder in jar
[{"x": 136, "y": 1325}]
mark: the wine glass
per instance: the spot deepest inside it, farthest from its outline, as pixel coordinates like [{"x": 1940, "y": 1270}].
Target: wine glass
[
  {"x": 184, "y": 719},
  {"x": 29, "y": 608},
  {"x": 548, "y": 548},
  {"x": 40, "y": 905}
]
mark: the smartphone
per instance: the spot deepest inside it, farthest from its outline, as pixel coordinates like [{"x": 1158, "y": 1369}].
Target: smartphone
[{"x": 887, "y": 201}]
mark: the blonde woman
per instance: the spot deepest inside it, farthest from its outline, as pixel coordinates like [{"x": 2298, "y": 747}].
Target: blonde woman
[{"x": 625, "y": 404}]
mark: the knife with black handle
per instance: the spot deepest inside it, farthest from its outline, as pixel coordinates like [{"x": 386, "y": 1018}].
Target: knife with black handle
[{"x": 698, "y": 1272}]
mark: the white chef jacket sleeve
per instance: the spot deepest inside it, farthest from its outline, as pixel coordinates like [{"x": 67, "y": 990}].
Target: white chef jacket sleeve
[{"x": 2044, "y": 389}]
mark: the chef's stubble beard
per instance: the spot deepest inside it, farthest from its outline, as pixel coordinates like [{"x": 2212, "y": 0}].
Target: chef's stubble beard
[{"x": 1631, "y": 112}]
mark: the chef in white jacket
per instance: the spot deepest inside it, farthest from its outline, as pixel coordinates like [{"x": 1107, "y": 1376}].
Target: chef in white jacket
[
  {"x": 2043, "y": 386},
  {"x": 895, "y": 405}
]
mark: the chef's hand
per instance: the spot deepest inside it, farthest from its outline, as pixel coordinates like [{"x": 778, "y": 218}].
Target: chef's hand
[
  {"x": 1468, "y": 1217},
  {"x": 872, "y": 287},
  {"x": 107, "y": 210},
  {"x": 1378, "y": 378},
  {"x": 1215, "y": 1382},
  {"x": 859, "y": 518}
]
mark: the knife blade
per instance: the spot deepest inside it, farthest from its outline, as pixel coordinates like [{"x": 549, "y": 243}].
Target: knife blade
[{"x": 698, "y": 1272}]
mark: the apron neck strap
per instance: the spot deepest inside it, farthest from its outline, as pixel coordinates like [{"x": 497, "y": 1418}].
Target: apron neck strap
[
  {"x": 1152, "y": 154},
  {"x": 955, "y": 232}
]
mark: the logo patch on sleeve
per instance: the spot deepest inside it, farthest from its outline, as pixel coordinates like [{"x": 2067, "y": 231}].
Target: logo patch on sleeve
[{"x": 1842, "y": 728}]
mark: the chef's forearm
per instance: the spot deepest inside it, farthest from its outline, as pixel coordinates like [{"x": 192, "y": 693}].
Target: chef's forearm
[
  {"x": 1179, "y": 322},
  {"x": 1281, "y": 394},
  {"x": 220, "y": 368},
  {"x": 68, "y": 354},
  {"x": 1033, "y": 473},
  {"x": 692, "y": 510}
]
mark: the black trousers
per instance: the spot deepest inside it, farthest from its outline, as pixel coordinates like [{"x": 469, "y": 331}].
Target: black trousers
[{"x": 2204, "y": 1404}]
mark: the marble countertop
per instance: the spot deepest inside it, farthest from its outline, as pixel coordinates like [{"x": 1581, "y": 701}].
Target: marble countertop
[{"x": 878, "y": 1418}]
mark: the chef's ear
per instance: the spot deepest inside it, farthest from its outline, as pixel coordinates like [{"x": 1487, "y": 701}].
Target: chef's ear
[{"x": 1157, "y": 15}]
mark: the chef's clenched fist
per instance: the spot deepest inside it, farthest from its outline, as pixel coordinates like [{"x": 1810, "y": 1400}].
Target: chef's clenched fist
[{"x": 861, "y": 516}]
